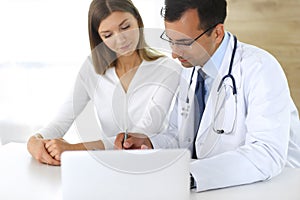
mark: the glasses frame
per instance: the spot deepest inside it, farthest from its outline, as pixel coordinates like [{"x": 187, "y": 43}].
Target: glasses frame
[{"x": 186, "y": 44}]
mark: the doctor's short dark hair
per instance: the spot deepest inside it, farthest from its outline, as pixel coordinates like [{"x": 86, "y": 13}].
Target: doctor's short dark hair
[{"x": 210, "y": 12}]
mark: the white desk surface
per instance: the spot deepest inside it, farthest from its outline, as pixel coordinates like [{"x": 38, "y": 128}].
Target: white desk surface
[{"x": 21, "y": 177}]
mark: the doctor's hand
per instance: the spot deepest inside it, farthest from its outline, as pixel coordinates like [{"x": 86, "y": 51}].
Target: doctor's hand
[
  {"x": 134, "y": 141},
  {"x": 55, "y": 147},
  {"x": 36, "y": 147}
]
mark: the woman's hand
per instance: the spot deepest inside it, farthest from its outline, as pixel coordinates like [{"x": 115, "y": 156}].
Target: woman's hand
[
  {"x": 55, "y": 147},
  {"x": 36, "y": 147}
]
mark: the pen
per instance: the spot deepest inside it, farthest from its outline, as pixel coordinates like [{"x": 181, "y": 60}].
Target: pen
[
  {"x": 126, "y": 119},
  {"x": 125, "y": 135}
]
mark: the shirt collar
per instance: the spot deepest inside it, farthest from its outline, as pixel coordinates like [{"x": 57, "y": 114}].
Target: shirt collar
[{"x": 213, "y": 65}]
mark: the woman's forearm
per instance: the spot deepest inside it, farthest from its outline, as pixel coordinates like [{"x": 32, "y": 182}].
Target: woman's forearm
[{"x": 95, "y": 145}]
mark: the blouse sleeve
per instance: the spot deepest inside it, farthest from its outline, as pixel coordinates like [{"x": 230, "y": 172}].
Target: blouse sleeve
[{"x": 69, "y": 110}]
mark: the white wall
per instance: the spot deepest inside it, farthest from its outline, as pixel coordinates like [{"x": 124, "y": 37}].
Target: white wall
[
  {"x": 150, "y": 12},
  {"x": 43, "y": 30}
]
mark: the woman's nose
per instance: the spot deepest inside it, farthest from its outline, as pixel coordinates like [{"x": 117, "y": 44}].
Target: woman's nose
[{"x": 120, "y": 38}]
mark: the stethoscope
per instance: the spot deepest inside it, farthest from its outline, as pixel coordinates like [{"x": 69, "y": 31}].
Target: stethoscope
[
  {"x": 186, "y": 107},
  {"x": 229, "y": 75}
]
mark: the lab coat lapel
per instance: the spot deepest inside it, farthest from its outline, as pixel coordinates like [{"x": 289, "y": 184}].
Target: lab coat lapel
[
  {"x": 186, "y": 127},
  {"x": 207, "y": 139}
]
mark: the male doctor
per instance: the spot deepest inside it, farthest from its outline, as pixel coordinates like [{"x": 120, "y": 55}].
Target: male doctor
[{"x": 234, "y": 111}]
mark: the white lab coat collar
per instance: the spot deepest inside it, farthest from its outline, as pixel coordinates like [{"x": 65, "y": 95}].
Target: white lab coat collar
[{"x": 212, "y": 66}]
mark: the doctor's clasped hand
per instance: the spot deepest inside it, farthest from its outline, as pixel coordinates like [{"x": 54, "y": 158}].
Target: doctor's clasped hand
[{"x": 134, "y": 141}]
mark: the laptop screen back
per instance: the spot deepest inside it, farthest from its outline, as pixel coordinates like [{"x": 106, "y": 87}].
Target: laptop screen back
[{"x": 126, "y": 175}]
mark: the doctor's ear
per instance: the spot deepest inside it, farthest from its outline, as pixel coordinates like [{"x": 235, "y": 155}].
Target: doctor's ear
[{"x": 219, "y": 33}]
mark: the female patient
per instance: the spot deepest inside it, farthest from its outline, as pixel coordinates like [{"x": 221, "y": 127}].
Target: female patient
[{"x": 130, "y": 84}]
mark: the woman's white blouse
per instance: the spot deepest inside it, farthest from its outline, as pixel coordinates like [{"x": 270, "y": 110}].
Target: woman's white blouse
[{"x": 144, "y": 108}]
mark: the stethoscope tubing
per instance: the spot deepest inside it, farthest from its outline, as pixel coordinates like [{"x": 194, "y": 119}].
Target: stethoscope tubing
[{"x": 229, "y": 75}]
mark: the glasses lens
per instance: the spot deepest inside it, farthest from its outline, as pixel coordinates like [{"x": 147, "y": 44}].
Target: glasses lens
[{"x": 179, "y": 44}]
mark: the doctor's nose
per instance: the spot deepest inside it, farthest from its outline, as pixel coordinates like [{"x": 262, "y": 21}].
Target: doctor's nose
[
  {"x": 175, "y": 55},
  {"x": 176, "y": 52}
]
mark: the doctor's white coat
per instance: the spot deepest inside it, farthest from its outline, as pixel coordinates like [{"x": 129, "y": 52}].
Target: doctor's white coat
[{"x": 266, "y": 136}]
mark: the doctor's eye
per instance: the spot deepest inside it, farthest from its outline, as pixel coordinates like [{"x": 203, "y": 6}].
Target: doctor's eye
[{"x": 184, "y": 43}]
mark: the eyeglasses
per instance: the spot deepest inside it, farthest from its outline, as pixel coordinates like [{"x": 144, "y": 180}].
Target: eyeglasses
[{"x": 184, "y": 43}]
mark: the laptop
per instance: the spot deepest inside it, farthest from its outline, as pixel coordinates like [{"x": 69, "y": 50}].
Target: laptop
[{"x": 126, "y": 174}]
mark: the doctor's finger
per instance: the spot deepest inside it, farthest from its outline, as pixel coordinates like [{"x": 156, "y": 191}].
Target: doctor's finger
[
  {"x": 133, "y": 143},
  {"x": 140, "y": 141},
  {"x": 118, "y": 144},
  {"x": 143, "y": 147}
]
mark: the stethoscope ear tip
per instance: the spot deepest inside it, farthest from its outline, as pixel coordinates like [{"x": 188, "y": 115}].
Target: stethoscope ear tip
[{"x": 220, "y": 131}]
